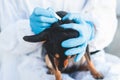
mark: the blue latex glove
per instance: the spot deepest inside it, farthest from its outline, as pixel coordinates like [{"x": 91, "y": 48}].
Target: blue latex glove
[
  {"x": 42, "y": 19},
  {"x": 86, "y": 33}
]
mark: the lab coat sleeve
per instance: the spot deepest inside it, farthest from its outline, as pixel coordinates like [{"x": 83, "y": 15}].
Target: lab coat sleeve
[
  {"x": 14, "y": 26},
  {"x": 11, "y": 39},
  {"x": 103, "y": 14}
]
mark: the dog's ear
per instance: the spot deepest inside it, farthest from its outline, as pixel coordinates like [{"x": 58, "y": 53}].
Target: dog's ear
[{"x": 36, "y": 38}]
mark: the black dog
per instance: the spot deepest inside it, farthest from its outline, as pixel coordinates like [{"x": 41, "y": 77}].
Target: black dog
[{"x": 55, "y": 57}]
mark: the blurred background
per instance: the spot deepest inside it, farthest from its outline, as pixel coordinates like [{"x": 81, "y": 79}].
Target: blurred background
[{"x": 114, "y": 47}]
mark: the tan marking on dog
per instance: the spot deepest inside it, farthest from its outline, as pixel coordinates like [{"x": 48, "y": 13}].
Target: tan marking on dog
[
  {"x": 48, "y": 62},
  {"x": 65, "y": 63},
  {"x": 57, "y": 55},
  {"x": 58, "y": 75}
]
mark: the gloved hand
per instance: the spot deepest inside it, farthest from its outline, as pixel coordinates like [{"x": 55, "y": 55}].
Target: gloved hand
[
  {"x": 41, "y": 19},
  {"x": 86, "y": 33}
]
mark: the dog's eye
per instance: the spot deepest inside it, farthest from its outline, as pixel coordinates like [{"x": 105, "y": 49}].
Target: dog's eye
[{"x": 57, "y": 55}]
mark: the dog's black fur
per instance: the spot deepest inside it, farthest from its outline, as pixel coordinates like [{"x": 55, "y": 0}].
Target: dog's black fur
[{"x": 53, "y": 38}]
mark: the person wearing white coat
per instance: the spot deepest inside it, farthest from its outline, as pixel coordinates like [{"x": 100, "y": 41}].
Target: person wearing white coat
[{"x": 14, "y": 24}]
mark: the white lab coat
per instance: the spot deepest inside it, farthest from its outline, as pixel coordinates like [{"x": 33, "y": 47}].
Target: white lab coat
[{"x": 14, "y": 23}]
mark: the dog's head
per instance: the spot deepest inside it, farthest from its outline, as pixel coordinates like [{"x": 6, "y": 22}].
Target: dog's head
[{"x": 53, "y": 38}]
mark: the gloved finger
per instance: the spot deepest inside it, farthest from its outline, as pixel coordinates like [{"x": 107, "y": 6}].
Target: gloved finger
[
  {"x": 75, "y": 17},
  {"x": 47, "y": 19},
  {"x": 79, "y": 27},
  {"x": 73, "y": 42},
  {"x": 41, "y": 25},
  {"x": 75, "y": 26},
  {"x": 38, "y": 30},
  {"x": 66, "y": 26},
  {"x": 43, "y": 19},
  {"x": 71, "y": 16},
  {"x": 43, "y": 12},
  {"x": 77, "y": 50},
  {"x": 79, "y": 56}
]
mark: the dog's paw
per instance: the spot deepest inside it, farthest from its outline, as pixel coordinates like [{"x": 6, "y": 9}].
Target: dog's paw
[{"x": 98, "y": 76}]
